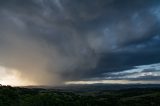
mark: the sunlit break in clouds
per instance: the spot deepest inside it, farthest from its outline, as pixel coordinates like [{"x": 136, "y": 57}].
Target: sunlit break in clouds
[
  {"x": 56, "y": 42},
  {"x": 12, "y": 77}
]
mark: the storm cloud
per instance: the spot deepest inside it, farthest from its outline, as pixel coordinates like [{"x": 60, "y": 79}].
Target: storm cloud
[{"x": 55, "y": 41}]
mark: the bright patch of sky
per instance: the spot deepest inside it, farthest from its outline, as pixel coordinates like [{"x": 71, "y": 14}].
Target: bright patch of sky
[
  {"x": 127, "y": 76},
  {"x": 136, "y": 72},
  {"x": 12, "y": 77}
]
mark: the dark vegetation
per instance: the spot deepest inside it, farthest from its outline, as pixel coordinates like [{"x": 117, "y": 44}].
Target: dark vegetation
[{"x": 15, "y": 96}]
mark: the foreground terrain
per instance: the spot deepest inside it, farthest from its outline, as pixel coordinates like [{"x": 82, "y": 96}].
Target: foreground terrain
[{"x": 16, "y": 96}]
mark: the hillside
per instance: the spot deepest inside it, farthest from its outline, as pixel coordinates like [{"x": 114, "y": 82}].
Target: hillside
[{"x": 16, "y": 96}]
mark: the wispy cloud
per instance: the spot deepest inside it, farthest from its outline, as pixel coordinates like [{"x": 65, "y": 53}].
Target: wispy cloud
[{"x": 143, "y": 72}]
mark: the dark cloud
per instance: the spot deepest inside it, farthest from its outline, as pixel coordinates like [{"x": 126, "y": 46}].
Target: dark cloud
[{"x": 65, "y": 40}]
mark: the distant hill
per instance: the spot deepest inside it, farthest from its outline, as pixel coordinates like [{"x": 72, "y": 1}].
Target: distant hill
[{"x": 96, "y": 87}]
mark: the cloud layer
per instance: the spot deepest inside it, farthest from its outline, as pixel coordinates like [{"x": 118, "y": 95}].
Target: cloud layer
[{"x": 51, "y": 42}]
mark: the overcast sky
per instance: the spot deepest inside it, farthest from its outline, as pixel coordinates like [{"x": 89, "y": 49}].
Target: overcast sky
[{"x": 53, "y": 42}]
